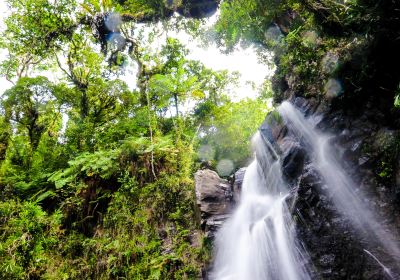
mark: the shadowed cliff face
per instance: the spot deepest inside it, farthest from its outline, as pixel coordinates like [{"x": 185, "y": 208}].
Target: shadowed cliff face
[{"x": 361, "y": 144}]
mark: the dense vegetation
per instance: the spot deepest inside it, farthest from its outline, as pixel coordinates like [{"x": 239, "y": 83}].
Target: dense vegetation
[{"x": 96, "y": 177}]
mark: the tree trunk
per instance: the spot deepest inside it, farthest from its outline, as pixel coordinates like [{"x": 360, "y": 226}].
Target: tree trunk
[{"x": 176, "y": 104}]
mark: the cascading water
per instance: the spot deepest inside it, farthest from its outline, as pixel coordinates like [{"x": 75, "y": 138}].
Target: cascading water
[
  {"x": 258, "y": 242},
  {"x": 340, "y": 186}
]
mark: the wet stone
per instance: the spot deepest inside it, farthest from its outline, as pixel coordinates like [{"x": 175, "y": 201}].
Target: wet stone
[{"x": 327, "y": 260}]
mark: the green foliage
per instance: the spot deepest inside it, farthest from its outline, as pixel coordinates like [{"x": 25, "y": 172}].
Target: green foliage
[
  {"x": 305, "y": 55},
  {"x": 245, "y": 21},
  {"x": 229, "y": 132},
  {"x": 5, "y": 133},
  {"x": 386, "y": 170},
  {"x": 397, "y": 97},
  {"x": 35, "y": 29},
  {"x": 145, "y": 8},
  {"x": 101, "y": 163},
  {"x": 39, "y": 26},
  {"x": 389, "y": 148},
  {"x": 362, "y": 34},
  {"x": 28, "y": 236},
  {"x": 30, "y": 106}
]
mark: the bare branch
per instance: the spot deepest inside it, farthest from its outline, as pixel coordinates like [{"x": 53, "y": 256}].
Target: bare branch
[{"x": 62, "y": 68}]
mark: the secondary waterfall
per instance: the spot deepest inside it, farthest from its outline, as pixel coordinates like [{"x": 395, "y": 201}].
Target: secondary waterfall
[
  {"x": 258, "y": 242},
  {"x": 346, "y": 196}
]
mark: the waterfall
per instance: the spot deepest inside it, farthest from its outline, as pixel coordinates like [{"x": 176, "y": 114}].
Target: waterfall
[
  {"x": 348, "y": 199},
  {"x": 258, "y": 242}
]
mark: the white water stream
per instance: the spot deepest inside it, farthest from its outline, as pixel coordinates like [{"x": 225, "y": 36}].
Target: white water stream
[{"x": 258, "y": 242}]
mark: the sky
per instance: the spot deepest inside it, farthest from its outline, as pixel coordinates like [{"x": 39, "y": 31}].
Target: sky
[
  {"x": 4, "y": 84},
  {"x": 243, "y": 61}
]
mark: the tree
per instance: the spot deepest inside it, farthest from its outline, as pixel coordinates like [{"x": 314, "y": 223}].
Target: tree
[
  {"x": 30, "y": 105},
  {"x": 5, "y": 133},
  {"x": 227, "y": 134},
  {"x": 35, "y": 29}
]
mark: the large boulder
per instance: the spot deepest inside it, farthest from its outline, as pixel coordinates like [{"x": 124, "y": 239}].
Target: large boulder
[{"x": 214, "y": 198}]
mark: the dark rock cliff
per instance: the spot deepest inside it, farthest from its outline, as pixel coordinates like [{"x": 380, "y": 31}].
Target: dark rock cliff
[
  {"x": 368, "y": 148},
  {"x": 363, "y": 74}
]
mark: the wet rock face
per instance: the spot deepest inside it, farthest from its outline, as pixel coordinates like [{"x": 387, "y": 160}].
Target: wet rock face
[
  {"x": 368, "y": 148},
  {"x": 293, "y": 156},
  {"x": 329, "y": 238},
  {"x": 237, "y": 183}
]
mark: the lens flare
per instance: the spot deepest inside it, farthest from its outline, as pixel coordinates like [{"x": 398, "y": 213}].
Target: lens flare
[
  {"x": 225, "y": 167},
  {"x": 333, "y": 88},
  {"x": 206, "y": 152},
  {"x": 330, "y": 63},
  {"x": 116, "y": 40},
  {"x": 113, "y": 21},
  {"x": 273, "y": 34},
  {"x": 310, "y": 38}
]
